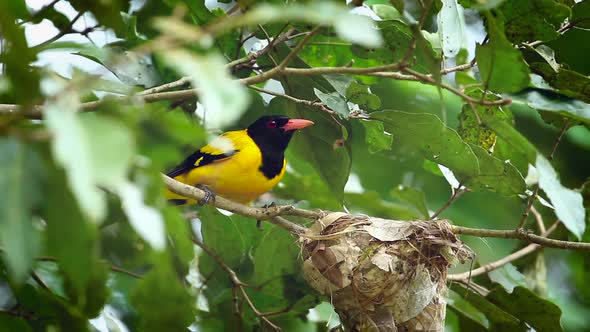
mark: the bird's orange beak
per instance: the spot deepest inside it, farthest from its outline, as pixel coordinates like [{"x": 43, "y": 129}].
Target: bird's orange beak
[{"x": 294, "y": 124}]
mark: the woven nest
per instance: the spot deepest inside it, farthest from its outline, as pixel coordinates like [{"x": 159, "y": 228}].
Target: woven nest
[{"x": 382, "y": 275}]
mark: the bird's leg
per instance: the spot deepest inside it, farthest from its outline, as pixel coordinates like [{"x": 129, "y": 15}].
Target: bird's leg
[
  {"x": 265, "y": 206},
  {"x": 209, "y": 195}
]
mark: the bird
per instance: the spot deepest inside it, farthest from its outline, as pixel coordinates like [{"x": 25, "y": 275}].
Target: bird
[{"x": 239, "y": 165}]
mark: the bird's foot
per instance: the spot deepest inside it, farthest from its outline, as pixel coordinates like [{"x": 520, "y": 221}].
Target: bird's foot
[
  {"x": 209, "y": 195},
  {"x": 265, "y": 206}
]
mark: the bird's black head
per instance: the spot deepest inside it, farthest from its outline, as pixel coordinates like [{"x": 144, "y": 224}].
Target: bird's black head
[{"x": 272, "y": 133}]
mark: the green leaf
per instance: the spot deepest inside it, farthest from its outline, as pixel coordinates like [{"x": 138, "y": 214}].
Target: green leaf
[
  {"x": 371, "y": 203},
  {"x": 499, "y": 319},
  {"x": 334, "y": 101},
  {"x": 451, "y": 29},
  {"x": 431, "y": 138},
  {"x": 16, "y": 55},
  {"x": 533, "y": 20},
  {"x": 162, "y": 302},
  {"x": 468, "y": 314},
  {"x": 18, "y": 8},
  {"x": 59, "y": 20},
  {"x": 541, "y": 314},
  {"x": 398, "y": 37},
  {"x": 179, "y": 233},
  {"x": 557, "y": 104},
  {"x": 130, "y": 67},
  {"x": 496, "y": 175},
  {"x": 322, "y": 145},
  {"x": 508, "y": 276},
  {"x": 355, "y": 28},
  {"x": 499, "y": 57},
  {"x": 413, "y": 197},
  {"x": 74, "y": 154},
  {"x": 93, "y": 297},
  {"x": 567, "y": 82},
  {"x": 10, "y": 323},
  {"x": 217, "y": 89},
  {"x": 570, "y": 48},
  {"x": 581, "y": 14},
  {"x": 376, "y": 137},
  {"x": 568, "y": 203},
  {"x": 511, "y": 136},
  {"x": 21, "y": 174},
  {"x": 71, "y": 238},
  {"x": 361, "y": 95},
  {"x": 223, "y": 236},
  {"x": 275, "y": 257},
  {"x": 107, "y": 13},
  {"x": 475, "y": 133}
]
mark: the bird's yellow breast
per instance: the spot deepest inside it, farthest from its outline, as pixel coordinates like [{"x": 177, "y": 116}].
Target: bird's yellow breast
[{"x": 237, "y": 177}]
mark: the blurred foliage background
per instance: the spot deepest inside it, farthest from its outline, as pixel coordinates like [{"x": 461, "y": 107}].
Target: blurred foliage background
[{"x": 484, "y": 91}]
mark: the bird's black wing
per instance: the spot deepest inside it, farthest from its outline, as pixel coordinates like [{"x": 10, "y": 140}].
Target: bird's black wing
[{"x": 198, "y": 159}]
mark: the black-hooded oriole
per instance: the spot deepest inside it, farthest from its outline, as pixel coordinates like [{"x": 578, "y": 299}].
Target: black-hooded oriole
[{"x": 240, "y": 165}]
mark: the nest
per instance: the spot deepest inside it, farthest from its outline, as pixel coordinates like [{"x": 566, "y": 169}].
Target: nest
[{"x": 382, "y": 275}]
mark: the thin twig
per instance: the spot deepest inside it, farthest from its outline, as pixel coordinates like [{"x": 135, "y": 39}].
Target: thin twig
[
  {"x": 112, "y": 267},
  {"x": 521, "y": 234},
  {"x": 563, "y": 130},
  {"x": 238, "y": 284},
  {"x": 503, "y": 261},
  {"x": 539, "y": 219},
  {"x": 39, "y": 281},
  {"x": 66, "y": 30},
  {"x": 321, "y": 106},
  {"x": 40, "y": 12},
  {"x": 297, "y": 49},
  {"x": 525, "y": 213},
  {"x": 458, "y": 192},
  {"x": 462, "y": 67}
]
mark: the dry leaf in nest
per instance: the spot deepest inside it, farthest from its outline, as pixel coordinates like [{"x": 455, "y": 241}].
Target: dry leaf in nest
[{"x": 382, "y": 275}]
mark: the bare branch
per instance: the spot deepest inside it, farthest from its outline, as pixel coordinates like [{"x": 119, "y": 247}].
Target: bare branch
[
  {"x": 272, "y": 214},
  {"x": 503, "y": 261},
  {"x": 238, "y": 284},
  {"x": 562, "y": 132},
  {"x": 457, "y": 192},
  {"x": 321, "y": 106},
  {"x": 521, "y": 234}
]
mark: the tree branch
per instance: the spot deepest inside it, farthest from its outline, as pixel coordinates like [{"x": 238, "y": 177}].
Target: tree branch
[
  {"x": 272, "y": 214},
  {"x": 521, "y": 234},
  {"x": 503, "y": 261},
  {"x": 319, "y": 105},
  {"x": 66, "y": 30},
  {"x": 238, "y": 284},
  {"x": 457, "y": 192}
]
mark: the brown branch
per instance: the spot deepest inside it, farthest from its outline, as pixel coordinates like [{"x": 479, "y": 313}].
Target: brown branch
[
  {"x": 428, "y": 79},
  {"x": 66, "y": 30},
  {"x": 525, "y": 213},
  {"x": 40, "y": 12},
  {"x": 272, "y": 213},
  {"x": 39, "y": 281},
  {"x": 112, "y": 267},
  {"x": 462, "y": 67},
  {"x": 562, "y": 132},
  {"x": 521, "y": 234},
  {"x": 297, "y": 49},
  {"x": 310, "y": 103},
  {"x": 238, "y": 284},
  {"x": 457, "y": 192},
  {"x": 539, "y": 219},
  {"x": 502, "y": 261}
]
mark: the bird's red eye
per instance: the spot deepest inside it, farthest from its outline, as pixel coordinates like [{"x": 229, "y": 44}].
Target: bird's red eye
[{"x": 272, "y": 124}]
